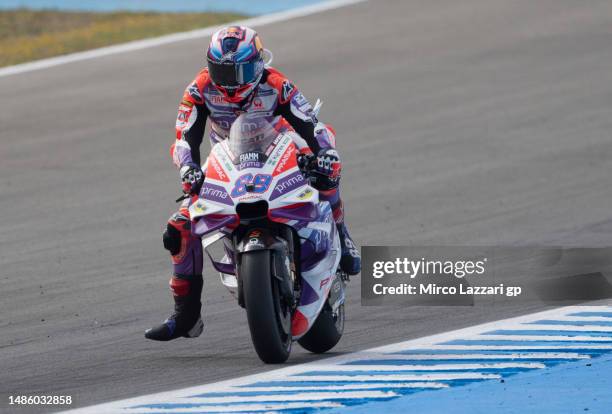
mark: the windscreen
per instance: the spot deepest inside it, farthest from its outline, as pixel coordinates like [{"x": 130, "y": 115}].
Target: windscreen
[{"x": 251, "y": 133}]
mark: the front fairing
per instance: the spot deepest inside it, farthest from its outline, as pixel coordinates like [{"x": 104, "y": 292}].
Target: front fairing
[{"x": 271, "y": 176}]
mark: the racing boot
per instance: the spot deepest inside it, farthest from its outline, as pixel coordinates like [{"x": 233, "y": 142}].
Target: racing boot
[
  {"x": 351, "y": 258},
  {"x": 186, "y": 320}
]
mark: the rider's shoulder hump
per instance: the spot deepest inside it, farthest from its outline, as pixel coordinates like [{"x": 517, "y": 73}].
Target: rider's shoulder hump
[
  {"x": 195, "y": 89},
  {"x": 202, "y": 78},
  {"x": 281, "y": 83}
]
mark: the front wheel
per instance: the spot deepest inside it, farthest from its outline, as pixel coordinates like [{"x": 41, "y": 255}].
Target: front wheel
[{"x": 269, "y": 318}]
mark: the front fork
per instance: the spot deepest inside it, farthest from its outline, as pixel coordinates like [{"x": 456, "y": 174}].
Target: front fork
[{"x": 281, "y": 241}]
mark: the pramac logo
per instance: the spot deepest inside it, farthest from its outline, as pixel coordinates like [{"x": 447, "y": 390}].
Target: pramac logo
[
  {"x": 215, "y": 171},
  {"x": 287, "y": 161}
]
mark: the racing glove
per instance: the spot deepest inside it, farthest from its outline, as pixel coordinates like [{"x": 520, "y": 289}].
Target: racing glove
[
  {"x": 192, "y": 178},
  {"x": 325, "y": 169}
]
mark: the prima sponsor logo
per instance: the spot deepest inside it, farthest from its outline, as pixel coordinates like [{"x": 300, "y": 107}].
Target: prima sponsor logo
[
  {"x": 291, "y": 182},
  {"x": 213, "y": 192},
  {"x": 250, "y": 164}
]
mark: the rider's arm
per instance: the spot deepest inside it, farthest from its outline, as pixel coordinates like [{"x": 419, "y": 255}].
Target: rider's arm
[{"x": 190, "y": 124}]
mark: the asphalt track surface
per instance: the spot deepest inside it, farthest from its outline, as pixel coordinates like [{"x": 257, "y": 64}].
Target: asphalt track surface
[{"x": 474, "y": 122}]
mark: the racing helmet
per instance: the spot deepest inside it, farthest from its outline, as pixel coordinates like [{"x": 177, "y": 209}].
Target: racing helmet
[{"x": 235, "y": 62}]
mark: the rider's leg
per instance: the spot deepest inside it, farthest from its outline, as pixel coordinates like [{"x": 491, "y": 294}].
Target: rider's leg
[
  {"x": 185, "y": 283},
  {"x": 351, "y": 258}
]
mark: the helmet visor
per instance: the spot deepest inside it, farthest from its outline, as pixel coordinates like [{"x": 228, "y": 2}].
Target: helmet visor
[{"x": 233, "y": 75}]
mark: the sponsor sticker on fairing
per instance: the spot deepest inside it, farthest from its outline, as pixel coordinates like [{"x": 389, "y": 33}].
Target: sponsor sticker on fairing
[
  {"x": 223, "y": 158},
  {"x": 215, "y": 193},
  {"x": 287, "y": 184},
  {"x": 306, "y": 194},
  {"x": 285, "y": 160},
  {"x": 249, "y": 157},
  {"x": 215, "y": 171}
]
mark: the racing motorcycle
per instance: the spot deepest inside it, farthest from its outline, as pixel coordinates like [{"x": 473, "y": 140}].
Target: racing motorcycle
[{"x": 280, "y": 243}]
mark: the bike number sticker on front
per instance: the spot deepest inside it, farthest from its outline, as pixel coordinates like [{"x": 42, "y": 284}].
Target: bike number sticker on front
[{"x": 258, "y": 183}]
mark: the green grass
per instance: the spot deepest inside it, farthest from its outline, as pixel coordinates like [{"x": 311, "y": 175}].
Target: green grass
[{"x": 27, "y": 35}]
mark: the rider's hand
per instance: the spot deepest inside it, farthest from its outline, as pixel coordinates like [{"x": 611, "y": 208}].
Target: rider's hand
[
  {"x": 326, "y": 169},
  {"x": 304, "y": 161},
  {"x": 192, "y": 178}
]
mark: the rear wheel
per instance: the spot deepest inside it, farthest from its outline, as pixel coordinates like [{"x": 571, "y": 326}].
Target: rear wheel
[
  {"x": 326, "y": 332},
  {"x": 269, "y": 318}
]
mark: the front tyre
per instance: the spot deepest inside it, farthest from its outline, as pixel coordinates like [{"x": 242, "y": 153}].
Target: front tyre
[{"x": 269, "y": 319}]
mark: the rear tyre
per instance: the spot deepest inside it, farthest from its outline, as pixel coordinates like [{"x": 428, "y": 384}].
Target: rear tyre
[
  {"x": 325, "y": 332},
  {"x": 269, "y": 320}
]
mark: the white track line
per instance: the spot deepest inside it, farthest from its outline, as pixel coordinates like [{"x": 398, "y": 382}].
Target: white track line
[
  {"x": 583, "y": 318},
  {"x": 535, "y": 327},
  {"x": 536, "y": 338},
  {"x": 394, "y": 377},
  {"x": 173, "y": 38},
  {"x": 436, "y": 367},
  {"x": 305, "y": 396},
  {"x": 459, "y": 357},
  {"x": 239, "y": 408},
  {"x": 344, "y": 387},
  {"x": 568, "y": 347}
]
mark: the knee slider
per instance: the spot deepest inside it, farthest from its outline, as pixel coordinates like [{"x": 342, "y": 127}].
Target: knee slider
[{"x": 172, "y": 239}]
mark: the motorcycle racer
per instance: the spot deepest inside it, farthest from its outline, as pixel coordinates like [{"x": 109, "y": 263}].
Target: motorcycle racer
[{"x": 236, "y": 80}]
